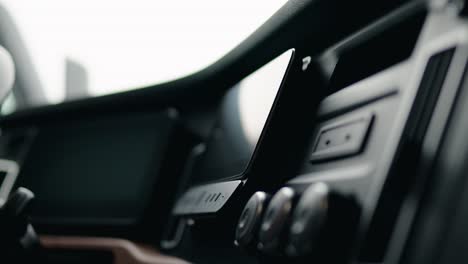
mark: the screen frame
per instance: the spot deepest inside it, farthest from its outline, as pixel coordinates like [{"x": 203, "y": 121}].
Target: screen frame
[{"x": 290, "y": 53}]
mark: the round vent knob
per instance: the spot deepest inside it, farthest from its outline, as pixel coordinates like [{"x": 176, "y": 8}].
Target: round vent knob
[
  {"x": 322, "y": 220},
  {"x": 249, "y": 221},
  {"x": 275, "y": 221},
  {"x": 308, "y": 220}
]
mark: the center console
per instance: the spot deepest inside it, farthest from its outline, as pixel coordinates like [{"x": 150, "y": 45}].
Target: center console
[{"x": 324, "y": 169}]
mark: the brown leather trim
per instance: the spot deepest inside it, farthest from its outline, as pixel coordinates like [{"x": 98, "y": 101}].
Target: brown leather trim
[{"x": 124, "y": 251}]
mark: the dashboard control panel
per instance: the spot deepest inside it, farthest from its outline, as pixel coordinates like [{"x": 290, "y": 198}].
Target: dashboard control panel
[
  {"x": 362, "y": 152},
  {"x": 297, "y": 225}
]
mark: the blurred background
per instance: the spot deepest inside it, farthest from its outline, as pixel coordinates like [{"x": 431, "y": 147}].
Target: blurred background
[{"x": 82, "y": 48}]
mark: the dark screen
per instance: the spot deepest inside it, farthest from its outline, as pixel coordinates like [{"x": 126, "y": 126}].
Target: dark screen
[{"x": 242, "y": 117}]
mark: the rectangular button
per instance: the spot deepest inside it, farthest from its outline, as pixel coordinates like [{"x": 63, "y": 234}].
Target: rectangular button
[{"x": 345, "y": 138}]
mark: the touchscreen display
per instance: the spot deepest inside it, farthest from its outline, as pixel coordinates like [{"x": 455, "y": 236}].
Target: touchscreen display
[{"x": 240, "y": 123}]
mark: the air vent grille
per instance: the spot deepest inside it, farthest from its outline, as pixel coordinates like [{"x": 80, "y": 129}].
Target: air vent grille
[{"x": 396, "y": 187}]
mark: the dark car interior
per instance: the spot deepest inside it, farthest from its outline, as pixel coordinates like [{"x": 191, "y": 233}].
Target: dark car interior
[{"x": 335, "y": 133}]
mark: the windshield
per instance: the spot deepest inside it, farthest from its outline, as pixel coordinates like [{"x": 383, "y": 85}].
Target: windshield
[{"x": 88, "y": 48}]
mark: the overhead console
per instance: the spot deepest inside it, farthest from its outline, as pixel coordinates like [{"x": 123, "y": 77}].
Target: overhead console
[{"x": 380, "y": 114}]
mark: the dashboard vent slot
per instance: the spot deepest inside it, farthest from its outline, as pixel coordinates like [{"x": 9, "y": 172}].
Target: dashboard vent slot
[
  {"x": 406, "y": 165},
  {"x": 375, "y": 49}
]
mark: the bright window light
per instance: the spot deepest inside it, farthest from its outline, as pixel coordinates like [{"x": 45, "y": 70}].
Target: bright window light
[{"x": 128, "y": 44}]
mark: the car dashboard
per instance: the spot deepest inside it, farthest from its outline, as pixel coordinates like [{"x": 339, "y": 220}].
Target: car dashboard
[{"x": 333, "y": 134}]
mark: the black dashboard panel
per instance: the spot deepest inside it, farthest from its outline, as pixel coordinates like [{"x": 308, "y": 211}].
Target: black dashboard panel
[
  {"x": 242, "y": 118},
  {"x": 236, "y": 138}
]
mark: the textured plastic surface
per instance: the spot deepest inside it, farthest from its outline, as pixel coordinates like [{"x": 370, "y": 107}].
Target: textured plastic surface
[{"x": 203, "y": 199}]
